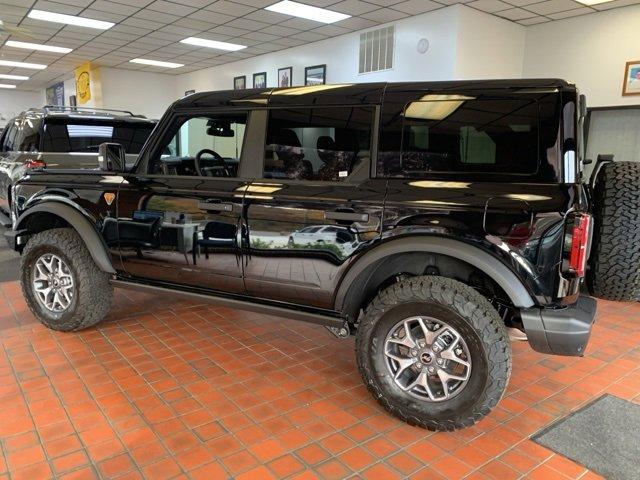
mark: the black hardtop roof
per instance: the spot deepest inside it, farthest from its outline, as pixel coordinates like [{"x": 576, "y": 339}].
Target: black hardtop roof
[{"x": 357, "y": 93}]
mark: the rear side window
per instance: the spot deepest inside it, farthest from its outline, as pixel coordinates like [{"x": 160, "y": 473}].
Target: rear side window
[
  {"x": 11, "y": 129},
  {"x": 29, "y": 140},
  {"x": 87, "y": 136},
  {"x": 318, "y": 144},
  {"x": 459, "y": 133}
]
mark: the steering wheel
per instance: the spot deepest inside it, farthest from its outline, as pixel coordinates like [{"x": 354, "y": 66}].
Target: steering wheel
[{"x": 216, "y": 156}]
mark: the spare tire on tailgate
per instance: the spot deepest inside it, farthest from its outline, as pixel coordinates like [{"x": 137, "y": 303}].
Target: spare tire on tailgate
[{"x": 615, "y": 255}]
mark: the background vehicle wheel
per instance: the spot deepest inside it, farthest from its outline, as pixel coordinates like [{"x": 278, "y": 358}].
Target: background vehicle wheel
[
  {"x": 434, "y": 353},
  {"x": 63, "y": 286},
  {"x": 614, "y": 272}
]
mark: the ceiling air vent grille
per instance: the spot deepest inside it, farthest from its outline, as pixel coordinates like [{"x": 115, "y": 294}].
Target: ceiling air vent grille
[{"x": 376, "y": 50}]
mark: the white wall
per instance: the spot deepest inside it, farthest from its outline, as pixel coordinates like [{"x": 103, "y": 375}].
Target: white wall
[
  {"x": 145, "y": 93},
  {"x": 12, "y": 102},
  {"x": 341, "y": 56},
  {"x": 590, "y": 50},
  {"x": 488, "y": 46}
]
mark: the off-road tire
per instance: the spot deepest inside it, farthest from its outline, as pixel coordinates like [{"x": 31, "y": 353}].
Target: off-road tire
[
  {"x": 476, "y": 320},
  {"x": 93, "y": 292},
  {"x": 614, "y": 272}
]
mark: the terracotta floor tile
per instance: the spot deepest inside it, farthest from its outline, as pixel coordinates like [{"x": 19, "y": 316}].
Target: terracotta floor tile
[{"x": 174, "y": 390}]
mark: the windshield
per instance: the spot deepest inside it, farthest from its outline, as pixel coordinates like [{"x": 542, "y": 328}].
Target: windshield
[{"x": 86, "y": 136}]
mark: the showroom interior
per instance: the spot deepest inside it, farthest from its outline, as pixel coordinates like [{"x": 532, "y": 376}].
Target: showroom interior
[{"x": 302, "y": 298}]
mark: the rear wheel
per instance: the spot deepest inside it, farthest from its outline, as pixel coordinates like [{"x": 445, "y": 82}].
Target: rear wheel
[
  {"x": 61, "y": 283},
  {"x": 614, "y": 272},
  {"x": 434, "y": 352}
]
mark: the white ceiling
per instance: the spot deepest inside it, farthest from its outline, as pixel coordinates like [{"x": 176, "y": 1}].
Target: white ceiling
[{"x": 152, "y": 28}]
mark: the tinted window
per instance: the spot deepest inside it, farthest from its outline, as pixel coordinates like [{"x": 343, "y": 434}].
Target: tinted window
[
  {"x": 11, "y": 130},
  {"x": 29, "y": 137},
  {"x": 458, "y": 133},
  {"x": 83, "y": 136},
  {"x": 325, "y": 144},
  {"x": 208, "y": 146}
]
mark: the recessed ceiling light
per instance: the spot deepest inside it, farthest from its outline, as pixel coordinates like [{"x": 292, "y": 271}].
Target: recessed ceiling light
[
  {"x": 37, "y": 46},
  {"x": 13, "y": 77},
  {"x": 203, "y": 42},
  {"x": 6, "y": 85},
  {"x": 593, "y": 2},
  {"x": 10, "y": 63},
  {"x": 301, "y": 10},
  {"x": 69, "y": 19},
  {"x": 156, "y": 63}
]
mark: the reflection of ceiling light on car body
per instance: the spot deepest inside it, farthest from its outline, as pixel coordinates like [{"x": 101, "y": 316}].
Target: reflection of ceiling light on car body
[
  {"x": 527, "y": 197},
  {"x": 37, "y": 46},
  {"x": 435, "y": 107},
  {"x": 301, "y": 10},
  {"x": 69, "y": 20},
  {"x": 436, "y": 202},
  {"x": 11, "y": 63},
  {"x": 309, "y": 89},
  {"x": 438, "y": 184},
  {"x": 156, "y": 63},
  {"x": 203, "y": 42},
  {"x": 260, "y": 188}
]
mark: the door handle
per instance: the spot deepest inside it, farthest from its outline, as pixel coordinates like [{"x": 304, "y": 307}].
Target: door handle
[
  {"x": 216, "y": 207},
  {"x": 342, "y": 216}
]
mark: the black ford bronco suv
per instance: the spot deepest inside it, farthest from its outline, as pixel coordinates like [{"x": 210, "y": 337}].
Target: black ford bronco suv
[
  {"x": 63, "y": 137},
  {"x": 422, "y": 217}
]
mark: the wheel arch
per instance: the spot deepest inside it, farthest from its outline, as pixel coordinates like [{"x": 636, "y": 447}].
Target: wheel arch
[
  {"x": 411, "y": 255},
  {"x": 54, "y": 213}
]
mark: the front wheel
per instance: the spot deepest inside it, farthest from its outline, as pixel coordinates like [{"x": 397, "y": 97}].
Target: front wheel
[
  {"x": 61, "y": 283},
  {"x": 434, "y": 353}
]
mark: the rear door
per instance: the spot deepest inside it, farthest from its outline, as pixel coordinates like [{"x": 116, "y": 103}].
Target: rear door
[
  {"x": 315, "y": 206},
  {"x": 179, "y": 219}
]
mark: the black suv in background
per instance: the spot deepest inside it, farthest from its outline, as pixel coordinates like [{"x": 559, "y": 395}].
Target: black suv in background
[
  {"x": 63, "y": 137},
  {"x": 422, "y": 217}
]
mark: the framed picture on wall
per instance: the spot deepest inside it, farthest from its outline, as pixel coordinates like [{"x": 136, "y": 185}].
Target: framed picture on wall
[
  {"x": 316, "y": 75},
  {"x": 260, "y": 80},
  {"x": 631, "y": 85},
  {"x": 285, "y": 77},
  {"x": 240, "y": 83}
]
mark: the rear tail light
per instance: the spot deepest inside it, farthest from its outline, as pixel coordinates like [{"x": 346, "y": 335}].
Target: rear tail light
[
  {"x": 34, "y": 164},
  {"x": 579, "y": 233}
]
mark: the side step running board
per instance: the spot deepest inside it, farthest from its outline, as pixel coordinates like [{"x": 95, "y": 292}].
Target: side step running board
[{"x": 267, "y": 309}]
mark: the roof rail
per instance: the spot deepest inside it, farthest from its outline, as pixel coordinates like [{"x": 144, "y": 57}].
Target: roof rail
[{"x": 48, "y": 108}]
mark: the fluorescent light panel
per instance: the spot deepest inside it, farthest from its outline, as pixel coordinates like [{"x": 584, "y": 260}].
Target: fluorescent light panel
[
  {"x": 37, "y": 46},
  {"x": 13, "y": 77},
  {"x": 156, "y": 63},
  {"x": 69, "y": 20},
  {"x": 301, "y": 10},
  {"x": 203, "y": 42},
  {"x": 593, "y": 2},
  {"x": 33, "y": 66},
  {"x": 6, "y": 85}
]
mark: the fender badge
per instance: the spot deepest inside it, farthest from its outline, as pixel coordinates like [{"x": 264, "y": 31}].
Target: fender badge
[{"x": 109, "y": 197}]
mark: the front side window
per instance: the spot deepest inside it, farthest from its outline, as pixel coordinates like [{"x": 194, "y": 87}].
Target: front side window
[
  {"x": 206, "y": 145},
  {"x": 457, "y": 133},
  {"x": 318, "y": 144},
  {"x": 86, "y": 136}
]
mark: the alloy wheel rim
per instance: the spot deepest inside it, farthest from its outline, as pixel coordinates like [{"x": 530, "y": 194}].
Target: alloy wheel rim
[
  {"x": 53, "y": 283},
  {"x": 427, "y": 358}
]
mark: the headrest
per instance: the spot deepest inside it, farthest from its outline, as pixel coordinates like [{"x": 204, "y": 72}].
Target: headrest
[{"x": 325, "y": 143}]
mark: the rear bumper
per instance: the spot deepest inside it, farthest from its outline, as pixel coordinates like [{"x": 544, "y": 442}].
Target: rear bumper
[{"x": 563, "y": 331}]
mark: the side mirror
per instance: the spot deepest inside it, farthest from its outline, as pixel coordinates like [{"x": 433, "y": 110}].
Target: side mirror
[{"x": 111, "y": 157}]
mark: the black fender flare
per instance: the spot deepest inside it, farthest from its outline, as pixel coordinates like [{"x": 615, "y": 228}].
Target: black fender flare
[
  {"x": 80, "y": 222},
  {"x": 470, "y": 254}
]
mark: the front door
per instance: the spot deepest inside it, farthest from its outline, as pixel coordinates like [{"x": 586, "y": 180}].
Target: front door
[
  {"x": 180, "y": 220},
  {"x": 315, "y": 208}
]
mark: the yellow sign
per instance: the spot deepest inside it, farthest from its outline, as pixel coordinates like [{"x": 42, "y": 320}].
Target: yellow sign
[
  {"x": 109, "y": 197},
  {"x": 83, "y": 83}
]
